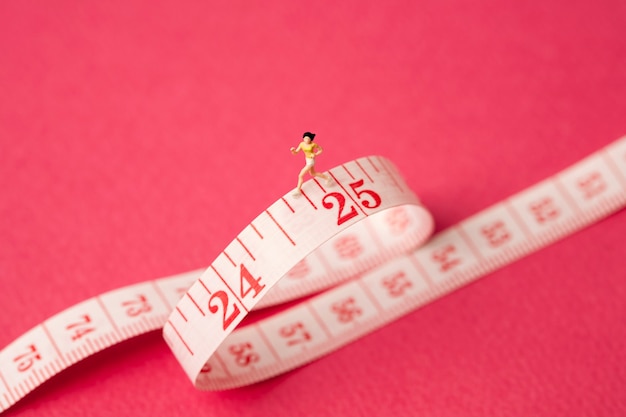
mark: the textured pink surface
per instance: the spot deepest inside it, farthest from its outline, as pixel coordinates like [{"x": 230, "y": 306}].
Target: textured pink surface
[{"x": 137, "y": 138}]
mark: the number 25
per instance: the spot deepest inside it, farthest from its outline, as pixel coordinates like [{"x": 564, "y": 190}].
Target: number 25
[{"x": 341, "y": 200}]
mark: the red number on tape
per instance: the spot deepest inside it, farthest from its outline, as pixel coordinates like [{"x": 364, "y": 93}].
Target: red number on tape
[
  {"x": 226, "y": 319},
  {"x": 346, "y": 310},
  {"x": 592, "y": 185},
  {"x": 137, "y": 306},
  {"x": 372, "y": 202},
  {"x": 544, "y": 210},
  {"x": 348, "y": 247},
  {"x": 341, "y": 200},
  {"x": 243, "y": 353},
  {"x": 80, "y": 327},
  {"x": 366, "y": 203},
  {"x": 296, "y": 333},
  {"x": 26, "y": 360},
  {"x": 496, "y": 233},
  {"x": 253, "y": 283},
  {"x": 398, "y": 220},
  {"x": 301, "y": 270},
  {"x": 397, "y": 284},
  {"x": 443, "y": 257}
]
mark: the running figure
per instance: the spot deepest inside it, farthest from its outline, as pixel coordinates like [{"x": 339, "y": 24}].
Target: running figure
[{"x": 311, "y": 150}]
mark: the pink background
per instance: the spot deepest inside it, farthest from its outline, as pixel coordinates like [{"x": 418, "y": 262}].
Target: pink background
[{"x": 137, "y": 138}]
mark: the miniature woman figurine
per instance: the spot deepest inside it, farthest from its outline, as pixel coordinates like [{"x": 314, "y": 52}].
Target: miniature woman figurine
[{"x": 311, "y": 150}]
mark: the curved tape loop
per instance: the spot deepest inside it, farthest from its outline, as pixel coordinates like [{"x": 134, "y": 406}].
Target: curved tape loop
[{"x": 360, "y": 235}]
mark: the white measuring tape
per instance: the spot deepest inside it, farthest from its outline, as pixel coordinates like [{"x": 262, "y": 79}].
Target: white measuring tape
[{"x": 358, "y": 236}]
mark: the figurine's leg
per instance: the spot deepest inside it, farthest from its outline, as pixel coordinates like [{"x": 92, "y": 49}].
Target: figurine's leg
[
  {"x": 320, "y": 175},
  {"x": 301, "y": 180}
]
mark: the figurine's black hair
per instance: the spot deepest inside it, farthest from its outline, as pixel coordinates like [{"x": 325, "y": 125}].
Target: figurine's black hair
[{"x": 309, "y": 134}]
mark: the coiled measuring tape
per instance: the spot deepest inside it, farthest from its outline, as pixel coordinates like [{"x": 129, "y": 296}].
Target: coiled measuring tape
[{"x": 357, "y": 243}]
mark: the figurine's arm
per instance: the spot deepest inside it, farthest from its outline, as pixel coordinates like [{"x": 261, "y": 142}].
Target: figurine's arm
[
  {"x": 319, "y": 149},
  {"x": 296, "y": 150}
]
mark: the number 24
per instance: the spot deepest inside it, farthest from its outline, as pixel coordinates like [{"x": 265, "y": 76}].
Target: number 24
[{"x": 245, "y": 277}]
